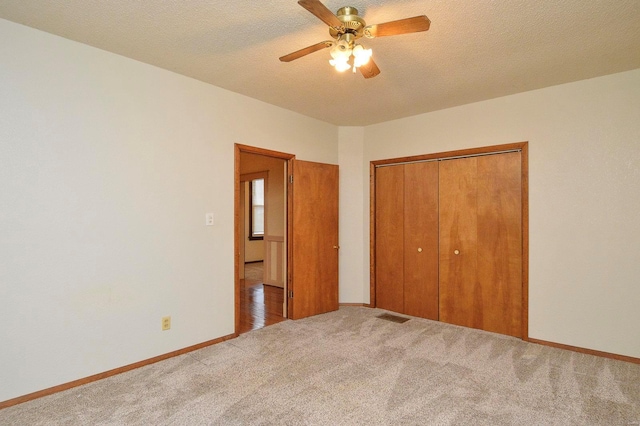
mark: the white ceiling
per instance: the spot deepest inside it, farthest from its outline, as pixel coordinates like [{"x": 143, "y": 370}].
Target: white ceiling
[{"x": 474, "y": 50}]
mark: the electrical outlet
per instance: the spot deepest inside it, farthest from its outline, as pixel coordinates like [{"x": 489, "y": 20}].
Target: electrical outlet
[
  {"x": 209, "y": 219},
  {"x": 166, "y": 323}
]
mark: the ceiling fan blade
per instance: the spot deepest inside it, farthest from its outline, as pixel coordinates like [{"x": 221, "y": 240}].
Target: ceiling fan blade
[
  {"x": 370, "y": 69},
  {"x": 303, "y": 52},
  {"x": 321, "y": 11},
  {"x": 401, "y": 26}
]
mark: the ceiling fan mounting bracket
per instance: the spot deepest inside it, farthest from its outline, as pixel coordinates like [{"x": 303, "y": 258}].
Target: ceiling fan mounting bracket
[{"x": 353, "y": 24}]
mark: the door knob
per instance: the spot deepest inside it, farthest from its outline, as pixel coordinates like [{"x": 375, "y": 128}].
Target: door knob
[
  {"x": 419, "y": 249},
  {"x": 456, "y": 252},
  {"x": 336, "y": 247}
]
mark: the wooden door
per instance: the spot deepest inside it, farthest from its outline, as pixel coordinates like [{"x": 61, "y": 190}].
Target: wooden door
[
  {"x": 314, "y": 239},
  {"x": 421, "y": 240},
  {"x": 407, "y": 239},
  {"x": 459, "y": 288},
  {"x": 389, "y": 217},
  {"x": 500, "y": 242},
  {"x": 481, "y": 243}
]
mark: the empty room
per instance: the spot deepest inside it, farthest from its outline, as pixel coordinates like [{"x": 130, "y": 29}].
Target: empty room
[{"x": 313, "y": 212}]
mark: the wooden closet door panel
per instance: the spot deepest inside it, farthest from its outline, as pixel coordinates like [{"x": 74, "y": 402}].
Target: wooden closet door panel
[
  {"x": 500, "y": 242},
  {"x": 421, "y": 240},
  {"x": 389, "y": 216},
  {"x": 460, "y": 295}
]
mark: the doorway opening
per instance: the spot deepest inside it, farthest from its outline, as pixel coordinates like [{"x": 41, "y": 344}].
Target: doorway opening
[
  {"x": 260, "y": 237},
  {"x": 301, "y": 243}
]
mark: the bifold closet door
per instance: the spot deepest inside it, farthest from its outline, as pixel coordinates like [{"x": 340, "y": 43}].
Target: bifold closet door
[
  {"x": 389, "y": 216},
  {"x": 421, "y": 240},
  {"x": 407, "y": 239},
  {"x": 481, "y": 242}
]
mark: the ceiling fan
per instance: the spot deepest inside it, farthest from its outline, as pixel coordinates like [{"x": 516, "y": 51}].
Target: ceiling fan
[{"x": 346, "y": 27}]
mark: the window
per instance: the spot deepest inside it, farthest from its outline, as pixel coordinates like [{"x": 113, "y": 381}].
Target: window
[{"x": 256, "y": 212}]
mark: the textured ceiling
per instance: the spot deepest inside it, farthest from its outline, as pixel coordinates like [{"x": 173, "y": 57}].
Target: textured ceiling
[{"x": 474, "y": 50}]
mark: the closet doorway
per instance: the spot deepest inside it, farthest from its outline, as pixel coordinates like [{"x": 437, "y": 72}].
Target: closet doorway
[{"x": 449, "y": 237}]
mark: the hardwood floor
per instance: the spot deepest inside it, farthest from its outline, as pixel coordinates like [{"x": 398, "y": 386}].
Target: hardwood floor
[{"x": 260, "y": 305}]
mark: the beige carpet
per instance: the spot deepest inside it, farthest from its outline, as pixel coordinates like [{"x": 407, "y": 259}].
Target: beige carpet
[{"x": 350, "y": 367}]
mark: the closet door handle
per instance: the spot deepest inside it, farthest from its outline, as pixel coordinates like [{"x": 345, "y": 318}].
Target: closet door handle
[
  {"x": 419, "y": 249},
  {"x": 456, "y": 252}
]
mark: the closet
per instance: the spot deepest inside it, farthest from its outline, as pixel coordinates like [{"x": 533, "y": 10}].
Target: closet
[{"x": 449, "y": 240}]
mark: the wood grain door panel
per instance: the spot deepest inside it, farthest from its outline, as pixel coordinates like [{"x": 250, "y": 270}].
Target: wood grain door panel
[
  {"x": 389, "y": 217},
  {"x": 421, "y": 240},
  {"x": 460, "y": 294},
  {"x": 482, "y": 237},
  {"x": 314, "y": 239},
  {"x": 500, "y": 242}
]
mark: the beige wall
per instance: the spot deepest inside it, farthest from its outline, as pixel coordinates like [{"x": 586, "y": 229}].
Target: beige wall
[
  {"x": 584, "y": 197},
  {"x": 354, "y": 225},
  {"x": 108, "y": 167}
]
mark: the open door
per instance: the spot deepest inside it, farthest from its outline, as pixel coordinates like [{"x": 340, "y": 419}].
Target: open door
[{"x": 313, "y": 282}]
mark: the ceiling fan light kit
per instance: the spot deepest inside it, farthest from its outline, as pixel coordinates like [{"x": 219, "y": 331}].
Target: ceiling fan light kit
[
  {"x": 344, "y": 50},
  {"x": 346, "y": 27}
]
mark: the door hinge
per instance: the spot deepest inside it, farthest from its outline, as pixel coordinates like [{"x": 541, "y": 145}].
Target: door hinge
[
  {"x": 291, "y": 294},
  {"x": 290, "y": 178}
]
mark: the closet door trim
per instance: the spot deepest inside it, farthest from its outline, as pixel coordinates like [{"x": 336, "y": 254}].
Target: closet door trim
[{"x": 488, "y": 150}]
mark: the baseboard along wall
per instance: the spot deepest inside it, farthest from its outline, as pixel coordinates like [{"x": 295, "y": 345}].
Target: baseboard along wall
[{"x": 115, "y": 371}]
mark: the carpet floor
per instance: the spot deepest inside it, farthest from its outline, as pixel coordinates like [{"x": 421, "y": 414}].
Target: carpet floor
[{"x": 351, "y": 368}]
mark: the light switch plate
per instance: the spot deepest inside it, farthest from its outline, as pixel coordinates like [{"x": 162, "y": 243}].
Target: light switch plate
[{"x": 209, "y": 219}]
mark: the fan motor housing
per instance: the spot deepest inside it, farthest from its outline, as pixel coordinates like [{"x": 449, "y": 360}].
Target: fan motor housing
[{"x": 353, "y": 23}]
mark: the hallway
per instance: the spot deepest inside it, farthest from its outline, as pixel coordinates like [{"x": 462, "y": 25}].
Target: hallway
[{"x": 260, "y": 305}]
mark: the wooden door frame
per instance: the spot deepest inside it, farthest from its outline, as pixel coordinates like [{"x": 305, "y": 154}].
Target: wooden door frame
[
  {"x": 494, "y": 149},
  {"x": 238, "y": 149}
]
